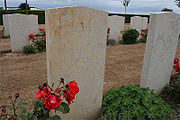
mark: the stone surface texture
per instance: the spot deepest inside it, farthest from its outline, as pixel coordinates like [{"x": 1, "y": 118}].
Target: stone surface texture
[
  {"x": 136, "y": 23},
  {"x": 144, "y": 23},
  {"x": 160, "y": 50},
  {"x": 20, "y": 26},
  {"x": 116, "y": 24},
  {"x": 6, "y": 25},
  {"x": 76, "y": 47}
]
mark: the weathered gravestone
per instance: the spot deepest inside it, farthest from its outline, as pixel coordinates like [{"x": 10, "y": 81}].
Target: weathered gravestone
[
  {"x": 116, "y": 24},
  {"x": 136, "y": 23},
  {"x": 76, "y": 47},
  {"x": 160, "y": 50},
  {"x": 144, "y": 23},
  {"x": 6, "y": 25},
  {"x": 20, "y": 26}
]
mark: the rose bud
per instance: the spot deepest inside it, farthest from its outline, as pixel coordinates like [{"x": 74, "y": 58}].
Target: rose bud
[
  {"x": 45, "y": 84},
  {"x": 17, "y": 95},
  {"x": 4, "y": 110},
  {"x": 41, "y": 88},
  {"x": 62, "y": 80}
]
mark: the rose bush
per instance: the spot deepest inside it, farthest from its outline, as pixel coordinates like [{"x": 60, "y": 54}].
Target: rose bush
[
  {"x": 47, "y": 99},
  {"x": 176, "y": 64},
  {"x": 38, "y": 41},
  {"x": 110, "y": 41},
  {"x": 144, "y": 36},
  {"x": 15, "y": 110},
  {"x": 108, "y": 33}
]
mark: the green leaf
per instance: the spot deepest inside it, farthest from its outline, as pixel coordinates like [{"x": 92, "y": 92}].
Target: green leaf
[
  {"x": 52, "y": 85},
  {"x": 55, "y": 117},
  {"x": 64, "y": 108},
  {"x": 24, "y": 118},
  {"x": 23, "y": 109},
  {"x": 32, "y": 117},
  {"x": 3, "y": 115},
  {"x": 38, "y": 104}
]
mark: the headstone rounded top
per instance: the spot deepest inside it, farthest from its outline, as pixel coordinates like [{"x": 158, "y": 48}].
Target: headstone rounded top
[
  {"x": 137, "y": 16},
  {"x": 75, "y": 6},
  {"x": 165, "y": 12}
]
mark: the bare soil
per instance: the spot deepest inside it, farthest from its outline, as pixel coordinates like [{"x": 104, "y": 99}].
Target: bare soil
[{"x": 20, "y": 73}]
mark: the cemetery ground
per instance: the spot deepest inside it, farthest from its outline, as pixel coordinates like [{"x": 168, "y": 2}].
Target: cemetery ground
[{"x": 20, "y": 73}]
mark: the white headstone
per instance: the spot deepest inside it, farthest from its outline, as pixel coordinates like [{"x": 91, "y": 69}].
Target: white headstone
[
  {"x": 144, "y": 23},
  {"x": 6, "y": 25},
  {"x": 20, "y": 26},
  {"x": 116, "y": 25},
  {"x": 76, "y": 47},
  {"x": 136, "y": 23},
  {"x": 163, "y": 35}
]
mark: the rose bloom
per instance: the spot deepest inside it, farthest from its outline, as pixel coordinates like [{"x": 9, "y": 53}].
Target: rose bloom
[
  {"x": 69, "y": 97},
  {"x": 52, "y": 101},
  {"x": 176, "y": 67},
  {"x": 42, "y": 93},
  {"x": 31, "y": 35},
  {"x": 108, "y": 29},
  {"x": 71, "y": 91},
  {"x": 142, "y": 34},
  {"x": 41, "y": 29},
  {"x": 176, "y": 60}
]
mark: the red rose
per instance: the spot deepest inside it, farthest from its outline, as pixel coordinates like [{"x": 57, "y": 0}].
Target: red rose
[
  {"x": 176, "y": 67},
  {"x": 145, "y": 31},
  {"x": 71, "y": 91},
  {"x": 4, "y": 110},
  {"x": 57, "y": 91},
  {"x": 73, "y": 88},
  {"x": 69, "y": 97},
  {"x": 108, "y": 29},
  {"x": 41, "y": 29},
  {"x": 142, "y": 34},
  {"x": 176, "y": 60},
  {"x": 13, "y": 118},
  {"x": 42, "y": 93},
  {"x": 52, "y": 101},
  {"x": 31, "y": 35}
]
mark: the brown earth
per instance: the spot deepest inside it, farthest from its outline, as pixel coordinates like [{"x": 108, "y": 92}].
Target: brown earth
[{"x": 23, "y": 74}]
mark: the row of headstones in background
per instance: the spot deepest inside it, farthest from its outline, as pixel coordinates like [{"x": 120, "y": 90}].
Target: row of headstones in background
[
  {"x": 19, "y": 26},
  {"x": 76, "y": 48},
  {"x": 116, "y": 24},
  {"x": 6, "y": 25},
  {"x": 139, "y": 23}
]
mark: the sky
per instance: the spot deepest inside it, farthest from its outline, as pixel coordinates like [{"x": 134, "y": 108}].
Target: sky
[{"x": 112, "y": 6}]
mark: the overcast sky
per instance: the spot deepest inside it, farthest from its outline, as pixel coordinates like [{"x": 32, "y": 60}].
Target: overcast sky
[{"x": 135, "y": 6}]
